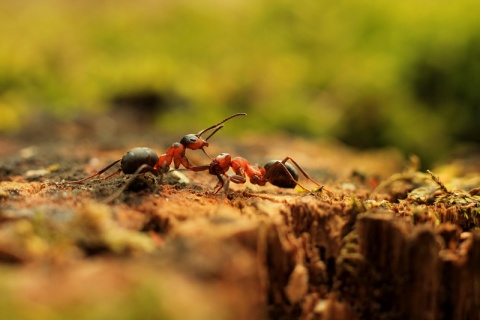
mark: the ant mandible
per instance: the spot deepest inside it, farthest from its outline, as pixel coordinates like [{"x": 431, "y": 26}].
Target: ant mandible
[
  {"x": 143, "y": 159},
  {"x": 279, "y": 173}
]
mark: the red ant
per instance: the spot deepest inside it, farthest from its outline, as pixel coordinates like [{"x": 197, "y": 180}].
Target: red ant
[
  {"x": 279, "y": 173},
  {"x": 139, "y": 160}
]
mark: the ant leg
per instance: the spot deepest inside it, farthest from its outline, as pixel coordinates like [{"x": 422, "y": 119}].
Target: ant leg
[
  {"x": 281, "y": 164},
  {"x": 143, "y": 168},
  {"x": 184, "y": 162},
  {"x": 108, "y": 177},
  {"x": 165, "y": 168},
  {"x": 301, "y": 170},
  {"x": 234, "y": 178},
  {"x": 237, "y": 179},
  {"x": 200, "y": 168},
  {"x": 220, "y": 184},
  {"x": 100, "y": 172}
]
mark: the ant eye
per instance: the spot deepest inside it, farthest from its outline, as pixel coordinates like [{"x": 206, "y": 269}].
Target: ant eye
[{"x": 188, "y": 139}]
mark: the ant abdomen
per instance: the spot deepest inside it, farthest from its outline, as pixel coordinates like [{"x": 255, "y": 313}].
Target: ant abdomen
[
  {"x": 136, "y": 157},
  {"x": 279, "y": 177}
]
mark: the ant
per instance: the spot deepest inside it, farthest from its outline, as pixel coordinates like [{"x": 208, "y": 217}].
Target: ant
[
  {"x": 279, "y": 173},
  {"x": 138, "y": 160}
]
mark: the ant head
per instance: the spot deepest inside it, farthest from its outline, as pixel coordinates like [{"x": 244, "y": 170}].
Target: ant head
[{"x": 193, "y": 142}]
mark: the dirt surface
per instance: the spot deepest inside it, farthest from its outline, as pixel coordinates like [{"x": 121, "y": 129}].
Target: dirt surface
[{"x": 175, "y": 250}]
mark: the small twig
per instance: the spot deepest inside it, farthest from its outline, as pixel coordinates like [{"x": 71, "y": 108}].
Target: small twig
[{"x": 438, "y": 182}]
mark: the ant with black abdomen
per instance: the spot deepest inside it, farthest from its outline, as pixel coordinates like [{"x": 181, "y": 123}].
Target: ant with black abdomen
[
  {"x": 279, "y": 173},
  {"x": 139, "y": 160}
]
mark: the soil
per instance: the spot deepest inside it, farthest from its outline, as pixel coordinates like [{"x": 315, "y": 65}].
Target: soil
[{"x": 381, "y": 240}]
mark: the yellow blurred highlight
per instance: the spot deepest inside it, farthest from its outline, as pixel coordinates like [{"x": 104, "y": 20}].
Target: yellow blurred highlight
[{"x": 10, "y": 117}]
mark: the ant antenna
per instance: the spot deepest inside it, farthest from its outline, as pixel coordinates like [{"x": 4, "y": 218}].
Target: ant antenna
[
  {"x": 215, "y": 131},
  {"x": 218, "y": 124},
  {"x": 220, "y": 127},
  {"x": 206, "y": 153},
  {"x": 217, "y": 127}
]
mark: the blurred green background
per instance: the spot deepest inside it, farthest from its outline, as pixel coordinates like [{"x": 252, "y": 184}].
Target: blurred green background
[{"x": 370, "y": 73}]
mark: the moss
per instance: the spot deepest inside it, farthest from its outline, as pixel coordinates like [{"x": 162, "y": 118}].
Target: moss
[{"x": 95, "y": 227}]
